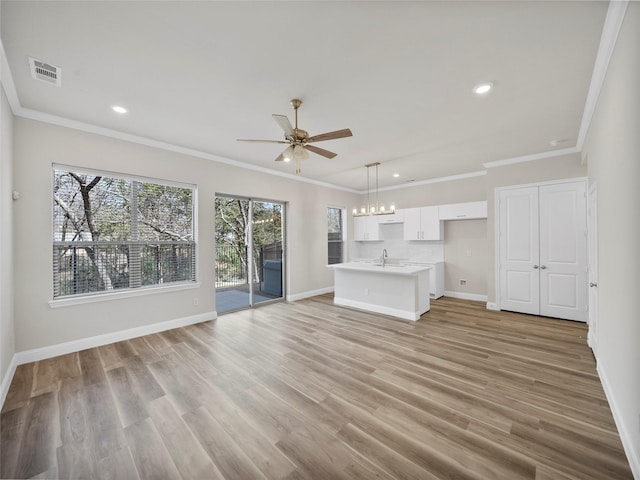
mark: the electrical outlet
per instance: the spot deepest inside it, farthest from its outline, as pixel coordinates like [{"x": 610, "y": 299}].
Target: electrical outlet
[
  {"x": 463, "y": 282},
  {"x": 195, "y": 301},
  {"x": 366, "y": 291}
]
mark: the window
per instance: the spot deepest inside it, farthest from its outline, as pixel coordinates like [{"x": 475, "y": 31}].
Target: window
[
  {"x": 335, "y": 236},
  {"x": 113, "y": 233}
]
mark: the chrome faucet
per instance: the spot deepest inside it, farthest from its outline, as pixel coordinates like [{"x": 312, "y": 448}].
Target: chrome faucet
[{"x": 384, "y": 256}]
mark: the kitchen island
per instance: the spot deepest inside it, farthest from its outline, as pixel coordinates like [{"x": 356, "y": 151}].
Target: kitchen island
[{"x": 398, "y": 290}]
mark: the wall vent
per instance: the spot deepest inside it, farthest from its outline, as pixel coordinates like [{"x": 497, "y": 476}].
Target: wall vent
[{"x": 45, "y": 72}]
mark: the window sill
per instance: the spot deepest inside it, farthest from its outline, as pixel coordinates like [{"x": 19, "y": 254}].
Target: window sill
[{"x": 138, "y": 292}]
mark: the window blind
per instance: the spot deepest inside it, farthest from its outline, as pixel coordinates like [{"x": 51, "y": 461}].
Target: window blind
[{"x": 112, "y": 232}]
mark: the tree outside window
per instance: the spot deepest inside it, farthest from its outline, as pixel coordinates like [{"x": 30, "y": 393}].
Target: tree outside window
[
  {"x": 112, "y": 233},
  {"x": 335, "y": 235}
]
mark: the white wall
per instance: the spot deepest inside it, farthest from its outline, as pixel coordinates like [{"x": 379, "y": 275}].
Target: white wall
[
  {"x": 7, "y": 347},
  {"x": 439, "y": 193},
  {"x": 612, "y": 149},
  {"x": 465, "y": 256},
  {"x": 37, "y": 145}
]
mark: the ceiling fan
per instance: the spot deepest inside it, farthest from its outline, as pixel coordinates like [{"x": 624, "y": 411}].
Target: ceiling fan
[{"x": 299, "y": 139}]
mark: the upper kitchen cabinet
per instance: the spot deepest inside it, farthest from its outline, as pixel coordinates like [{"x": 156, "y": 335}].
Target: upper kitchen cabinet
[
  {"x": 366, "y": 229},
  {"x": 395, "y": 217},
  {"x": 463, "y": 211},
  {"x": 422, "y": 223}
]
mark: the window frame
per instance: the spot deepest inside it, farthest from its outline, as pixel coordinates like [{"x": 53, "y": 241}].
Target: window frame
[
  {"x": 97, "y": 296},
  {"x": 343, "y": 238}
]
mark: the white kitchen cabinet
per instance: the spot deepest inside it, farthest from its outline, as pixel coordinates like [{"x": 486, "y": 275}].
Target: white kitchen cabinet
[
  {"x": 422, "y": 223},
  {"x": 463, "y": 211},
  {"x": 397, "y": 217},
  {"x": 436, "y": 280},
  {"x": 436, "y": 277},
  {"x": 366, "y": 229}
]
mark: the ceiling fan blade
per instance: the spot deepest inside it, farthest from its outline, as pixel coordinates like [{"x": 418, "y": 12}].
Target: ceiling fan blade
[
  {"x": 330, "y": 135},
  {"x": 260, "y": 141},
  {"x": 320, "y": 151},
  {"x": 284, "y": 123},
  {"x": 280, "y": 157}
]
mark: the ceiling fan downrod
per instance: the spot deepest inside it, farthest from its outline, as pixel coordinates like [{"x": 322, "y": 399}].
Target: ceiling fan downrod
[{"x": 296, "y": 103}]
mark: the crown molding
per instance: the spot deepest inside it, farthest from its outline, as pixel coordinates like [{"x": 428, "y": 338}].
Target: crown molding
[
  {"x": 610, "y": 31},
  {"x": 450, "y": 178},
  {"x": 532, "y": 157},
  {"x": 7, "y": 82},
  {"x": 106, "y": 132}
]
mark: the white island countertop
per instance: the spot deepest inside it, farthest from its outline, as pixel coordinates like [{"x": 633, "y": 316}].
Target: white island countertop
[
  {"x": 392, "y": 289},
  {"x": 389, "y": 269}
]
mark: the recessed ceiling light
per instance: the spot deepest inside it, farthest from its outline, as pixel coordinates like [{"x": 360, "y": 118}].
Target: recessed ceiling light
[
  {"x": 396, "y": 175},
  {"x": 118, "y": 109},
  {"x": 482, "y": 88},
  {"x": 562, "y": 141}
]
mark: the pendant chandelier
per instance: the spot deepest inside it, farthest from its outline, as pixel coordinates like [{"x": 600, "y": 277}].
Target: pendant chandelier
[{"x": 373, "y": 207}]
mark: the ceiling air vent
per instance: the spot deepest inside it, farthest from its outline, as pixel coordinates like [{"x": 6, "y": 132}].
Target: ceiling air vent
[{"x": 45, "y": 72}]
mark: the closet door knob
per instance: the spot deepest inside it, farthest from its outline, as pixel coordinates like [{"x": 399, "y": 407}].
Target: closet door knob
[
  {"x": 543, "y": 267},
  {"x": 536, "y": 267},
  {"x": 593, "y": 284}
]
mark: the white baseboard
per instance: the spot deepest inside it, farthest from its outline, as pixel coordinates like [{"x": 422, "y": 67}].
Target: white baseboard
[
  {"x": 627, "y": 443},
  {"x": 50, "y": 351},
  {"x": 371, "y": 307},
  {"x": 6, "y": 381},
  {"x": 493, "y": 306},
  {"x": 310, "y": 293},
  {"x": 466, "y": 296}
]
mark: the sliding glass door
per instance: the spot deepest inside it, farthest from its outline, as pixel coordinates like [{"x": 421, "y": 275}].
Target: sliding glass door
[
  {"x": 249, "y": 246},
  {"x": 267, "y": 251}
]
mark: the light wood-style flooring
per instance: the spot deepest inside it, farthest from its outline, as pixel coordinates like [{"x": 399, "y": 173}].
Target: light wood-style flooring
[{"x": 308, "y": 390}]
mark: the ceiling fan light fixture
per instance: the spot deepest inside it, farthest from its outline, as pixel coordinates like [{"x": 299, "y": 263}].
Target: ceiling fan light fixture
[
  {"x": 288, "y": 153},
  {"x": 300, "y": 153},
  {"x": 297, "y": 139}
]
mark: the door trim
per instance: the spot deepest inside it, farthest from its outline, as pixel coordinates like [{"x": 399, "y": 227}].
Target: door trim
[
  {"x": 284, "y": 254},
  {"x": 592, "y": 248}
]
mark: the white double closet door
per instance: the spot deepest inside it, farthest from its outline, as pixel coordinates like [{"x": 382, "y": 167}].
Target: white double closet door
[{"x": 543, "y": 250}]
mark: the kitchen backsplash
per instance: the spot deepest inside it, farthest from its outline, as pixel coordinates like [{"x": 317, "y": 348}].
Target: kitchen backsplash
[{"x": 392, "y": 239}]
